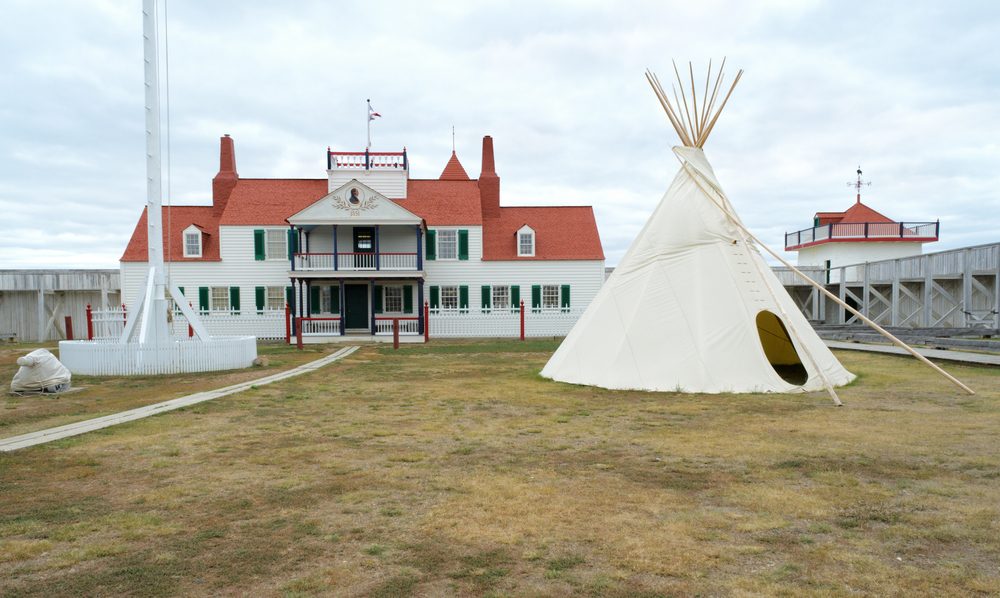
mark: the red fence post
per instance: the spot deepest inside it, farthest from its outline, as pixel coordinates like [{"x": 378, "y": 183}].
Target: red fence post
[
  {"x": 298, "y": 332},
  {"x": 522, "y": 319},
  {"x": 427, "y": 322},
  {"x": 395, "y": 333},
  {"x": 190, "y": 328},
  {"x": 69, "y": 328},
  {"x": 288, "y": 324},
  {"x": 90, "y": 323}
]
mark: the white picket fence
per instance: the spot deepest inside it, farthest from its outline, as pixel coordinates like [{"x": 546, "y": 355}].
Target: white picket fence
[
  {"x": 111, "y": 358},
  {"x": 265, "y": 325},
  {"x": 500, "y": 324}
]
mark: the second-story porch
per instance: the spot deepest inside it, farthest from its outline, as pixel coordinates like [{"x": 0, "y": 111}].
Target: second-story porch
[
  {"x": 346, "y": 248},
  {"x": 355, "y": 229}
]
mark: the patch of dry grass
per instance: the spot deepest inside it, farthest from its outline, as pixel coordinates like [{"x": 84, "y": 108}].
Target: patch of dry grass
[
  {"x": 453, "y": 468},
  {"x": 104, "y": 396}
]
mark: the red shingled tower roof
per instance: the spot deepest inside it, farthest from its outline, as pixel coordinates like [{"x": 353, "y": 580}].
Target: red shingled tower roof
[{"x": 453, "y": 170}]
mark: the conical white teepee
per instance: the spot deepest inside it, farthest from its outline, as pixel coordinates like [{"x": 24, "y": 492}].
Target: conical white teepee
[{"x": 693, "y": 306}]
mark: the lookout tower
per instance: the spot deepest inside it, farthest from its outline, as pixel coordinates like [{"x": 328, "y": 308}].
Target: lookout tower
[{"x": 858, "y": 234}]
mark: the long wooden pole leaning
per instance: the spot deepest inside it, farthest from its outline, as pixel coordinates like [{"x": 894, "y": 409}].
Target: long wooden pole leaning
[{"x": 836, "y": 299}]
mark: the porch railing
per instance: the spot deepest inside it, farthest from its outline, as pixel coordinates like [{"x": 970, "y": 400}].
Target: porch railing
[
  {"x": 926, "y": 231},
  {"x": 356, "y": 261},
  {"x": 409, "y": 326},
  {"x": 320, "y": 326}
]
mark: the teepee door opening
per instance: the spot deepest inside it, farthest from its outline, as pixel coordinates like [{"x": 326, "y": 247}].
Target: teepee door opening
[{"x": 779, "y": 350}]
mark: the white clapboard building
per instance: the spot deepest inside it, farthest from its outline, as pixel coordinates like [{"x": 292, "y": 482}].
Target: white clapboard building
[{"x": 367, "y": 244}]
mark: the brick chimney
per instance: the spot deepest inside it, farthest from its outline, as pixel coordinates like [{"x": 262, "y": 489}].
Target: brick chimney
[
  {"x": 223, "y": 183},
  {"x": 489, "y": 182}
]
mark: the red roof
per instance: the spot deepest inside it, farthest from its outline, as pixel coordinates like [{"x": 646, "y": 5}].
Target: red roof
[
  {"x": 443, "y": 203},
  {"x": 256, "y": 202},
  {"x": 858, "y": 213},
  {"x": 561, "y": 233},
  {"x": 180, "y": 218},
  {"x": 453, "y": 170}
]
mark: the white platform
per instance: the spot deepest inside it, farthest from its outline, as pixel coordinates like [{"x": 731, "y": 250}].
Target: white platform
[{"x": 111, "y": 358}]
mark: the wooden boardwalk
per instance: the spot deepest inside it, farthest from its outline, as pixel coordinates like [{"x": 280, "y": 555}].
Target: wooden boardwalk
[{"x": 82, "y": 427}]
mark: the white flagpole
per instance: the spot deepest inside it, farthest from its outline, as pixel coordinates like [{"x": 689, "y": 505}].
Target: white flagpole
[{"x": 369, "y": 117}]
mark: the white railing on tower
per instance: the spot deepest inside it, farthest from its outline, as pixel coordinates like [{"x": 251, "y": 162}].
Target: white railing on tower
[{"x": 368, "y": 161}]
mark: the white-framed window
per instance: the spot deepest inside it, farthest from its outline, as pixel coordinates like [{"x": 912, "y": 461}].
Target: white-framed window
[
  {"x": 275, "y": 298},
  {"x": 501, "y": 297},
  {"x": 276, "y": 244},
  {"x": 550, "y": 296},
  {"x": 192, "y": 242},
  {"x": 392, "y": 299},
  {"x": 220, "y": 299},
  {"x": 447, "y": 244},
  {"x": 449, "y": 297},
  {"x": 525, "y": 241}
]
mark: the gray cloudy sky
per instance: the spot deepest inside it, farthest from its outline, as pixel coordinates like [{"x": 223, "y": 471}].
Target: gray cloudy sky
[{"x": 909, "y": 92}]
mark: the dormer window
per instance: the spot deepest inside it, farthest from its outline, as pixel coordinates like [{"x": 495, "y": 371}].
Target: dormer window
[
  {"x": 192, "y": 241},
  {"x": 525, "y": 242}
]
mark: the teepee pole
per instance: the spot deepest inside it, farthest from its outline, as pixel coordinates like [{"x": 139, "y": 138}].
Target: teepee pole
[
  {"x": 708, "y": 130},
  {"x": 654, "y": 82},
  {"x": 819, "y": 287},
  {"x": 680, "y": 84}
]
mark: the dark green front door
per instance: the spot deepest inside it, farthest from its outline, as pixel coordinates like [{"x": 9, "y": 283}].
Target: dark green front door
[{"x": 356, "y": 306}]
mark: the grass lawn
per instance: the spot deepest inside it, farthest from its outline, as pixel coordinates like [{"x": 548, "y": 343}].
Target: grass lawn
[
  {"x": 104, "y": 396},
  {"x": 453, "y": 468}
]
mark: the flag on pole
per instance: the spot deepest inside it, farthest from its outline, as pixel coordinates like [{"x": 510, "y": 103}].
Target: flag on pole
[{"x": 372, "y": 115}]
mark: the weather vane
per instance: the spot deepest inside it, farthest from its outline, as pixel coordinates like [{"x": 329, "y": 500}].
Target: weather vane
[{"x": 859, "y": 184}]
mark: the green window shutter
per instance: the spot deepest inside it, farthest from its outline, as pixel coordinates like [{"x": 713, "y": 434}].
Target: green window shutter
[
  {"x": 314, "y": 300},
  {"x": 234, "y": 299},
  {"x": 203, "y": 298},
  {"x": 260, "y": 298},
  {"x": 564, "y": 297},
  {"x": 335, "y": 299},
  {"x": 290, "y": 298},
  {"x": 378, "y": 299},
  {"x": 431, "y": 252},
  {"x": 463, "y": 297},
  {"x": 435, "y": 297},
  {"x": 293, "y": 243},
  {"x": 258, "y": 245},
  {"x": 536, "y": 296},
  {"x": 408, "y": 299},
  {"x": 487, "y": 297},
  {"x": 515, "y": 297},
  {"x": 463, "y": 244}
]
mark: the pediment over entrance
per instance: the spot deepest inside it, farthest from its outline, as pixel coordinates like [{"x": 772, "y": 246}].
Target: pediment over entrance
[{"x": 354, "y": 203}]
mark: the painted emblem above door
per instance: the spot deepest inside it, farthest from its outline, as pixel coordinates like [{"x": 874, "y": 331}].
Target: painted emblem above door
[{"x": 354, "y": 200}]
